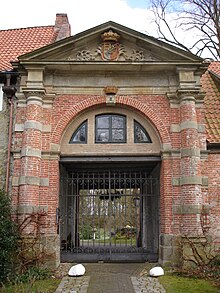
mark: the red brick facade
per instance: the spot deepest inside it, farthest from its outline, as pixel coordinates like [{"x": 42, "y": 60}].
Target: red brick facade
[
  {"x": 173, "y": 197},
  {"x": 189, "y": 174}
]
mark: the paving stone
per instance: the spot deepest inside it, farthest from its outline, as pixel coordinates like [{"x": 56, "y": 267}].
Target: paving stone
[{"x": 112, "y": 278}]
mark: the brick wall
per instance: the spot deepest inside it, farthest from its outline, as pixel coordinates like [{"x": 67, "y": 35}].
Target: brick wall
[
  {"x": 176, "y": 198},
  {"x": 211, "y": 195},
  {"x": 47, "y": 116}
]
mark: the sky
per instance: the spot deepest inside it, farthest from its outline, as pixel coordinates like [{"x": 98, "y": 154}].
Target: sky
[{"x": 82, "y": 14}]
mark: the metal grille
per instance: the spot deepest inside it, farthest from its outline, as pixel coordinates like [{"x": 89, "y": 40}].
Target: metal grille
[{"x": 108, "y": 215}]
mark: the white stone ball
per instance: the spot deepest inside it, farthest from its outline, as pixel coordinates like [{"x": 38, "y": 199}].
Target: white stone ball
[
  {"x": 77, "y": 270},
  {"x": 156, "y": 272}
]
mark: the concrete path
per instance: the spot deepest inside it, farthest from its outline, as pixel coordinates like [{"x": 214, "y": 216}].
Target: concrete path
[{"x": 112, "y": 278}]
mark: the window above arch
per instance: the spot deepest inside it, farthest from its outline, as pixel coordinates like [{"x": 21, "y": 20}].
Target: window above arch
[
  {"x": 110, "y": 128},
  {"x": 80, "y": 135},
  {"x": 140, "y": 134}
]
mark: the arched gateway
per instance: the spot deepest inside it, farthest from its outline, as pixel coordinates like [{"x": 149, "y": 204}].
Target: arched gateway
[
  {"x": 108, "y": 146},
  {"x": 109, "y": 188}
]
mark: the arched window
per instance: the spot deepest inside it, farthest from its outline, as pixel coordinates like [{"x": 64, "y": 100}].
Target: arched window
[
  {"x": 110, "y": 128},
  {"x": 80, "y": 135},
  {"x": 140, "y": 134}
]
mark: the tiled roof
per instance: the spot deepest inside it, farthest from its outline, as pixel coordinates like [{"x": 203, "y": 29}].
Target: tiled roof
[
  {"x": 212, "y": 102},
  {"x": 15, "y": 42}
]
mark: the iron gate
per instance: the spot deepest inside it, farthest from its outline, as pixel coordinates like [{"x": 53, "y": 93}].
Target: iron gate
[{"x": 109, "y": 215}]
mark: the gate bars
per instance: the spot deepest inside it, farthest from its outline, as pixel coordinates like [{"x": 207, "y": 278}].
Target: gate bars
[{"x": 108, "y": 215}]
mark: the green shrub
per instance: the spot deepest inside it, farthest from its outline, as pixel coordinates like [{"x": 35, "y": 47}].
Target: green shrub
[
  {"x": 216, "y": 261},
  {"x": 86, "y": 232},
  {"x": 38, "y": 286},
  {"x": 8, "y": 238},
  {"x": 33, "y": 273}
]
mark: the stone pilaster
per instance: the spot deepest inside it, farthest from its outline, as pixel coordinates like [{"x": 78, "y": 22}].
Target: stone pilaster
[
  {"x": 29, "y": 180},
  {"x": 190, "y": 164}
]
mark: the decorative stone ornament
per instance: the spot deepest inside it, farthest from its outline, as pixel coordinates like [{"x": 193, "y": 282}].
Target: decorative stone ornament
[
  {"x": 110, "y": 92},
  {"x": 110, "y": 36},
  {"x": 110, "y": 99},
  {"x": 77, "y": 270},
  {"x": 156, "y": 272},
  {"x": 110, "y": 49}
]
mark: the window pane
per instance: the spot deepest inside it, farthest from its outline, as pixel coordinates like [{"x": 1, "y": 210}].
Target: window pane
[
  {"x": 80, "y": 135},
  {"x": 103, "y": 122},
  {"x": 117, "y": 135},
  {"x": 140, "y": 134},
  {"x": 102, "y": 135},
  {"x": 110, "y": 128},
  {"x": 117, "y": 122}
]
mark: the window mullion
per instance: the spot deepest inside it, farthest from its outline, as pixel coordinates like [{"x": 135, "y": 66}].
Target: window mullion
[{"x": 110, "y": 129}]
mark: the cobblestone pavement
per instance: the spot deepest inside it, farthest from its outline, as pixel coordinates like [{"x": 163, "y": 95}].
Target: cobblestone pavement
[{"x": 111, "y": 278}]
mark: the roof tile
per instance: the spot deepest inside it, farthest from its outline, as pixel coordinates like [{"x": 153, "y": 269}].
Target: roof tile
[
  {"x": 16, "y": 42},
  {"x": 212, "y": 103}
]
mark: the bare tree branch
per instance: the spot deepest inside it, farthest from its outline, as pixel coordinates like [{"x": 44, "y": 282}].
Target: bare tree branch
[{"x": 200, "y": 17}]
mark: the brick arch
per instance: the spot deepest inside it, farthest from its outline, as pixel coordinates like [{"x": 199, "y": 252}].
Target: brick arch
[{"x": 100, "y": 100}]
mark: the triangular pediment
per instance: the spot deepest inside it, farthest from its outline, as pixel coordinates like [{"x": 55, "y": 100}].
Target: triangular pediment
[{"x": 109, "y": 42}]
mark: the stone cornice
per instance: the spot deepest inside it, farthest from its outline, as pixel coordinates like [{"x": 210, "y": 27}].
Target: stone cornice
[
  {"x": 34, "y": 92},
  {"x": 93, "y": 66},
  {"x": 50, "y": 155},
  {"x": 35, "y": 96},
  {"x": 170, "y": 154},
  {"x": 185, "y": 94},
  {"x": 194, "y": 93}
]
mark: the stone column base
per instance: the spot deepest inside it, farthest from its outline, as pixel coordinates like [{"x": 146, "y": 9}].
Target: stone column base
[
  {"x": 43, "y": 251},
  {"x": 52, "y": 246},
  {"x": 169, "y": 250}
]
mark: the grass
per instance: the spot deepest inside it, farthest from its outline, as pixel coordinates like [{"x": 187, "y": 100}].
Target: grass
[
  {"x": 113, "y": 240},
  {"x": 178, "y": 284},
  {"x": 43, "y": 286},
  {"x": 117, "y": 241}
]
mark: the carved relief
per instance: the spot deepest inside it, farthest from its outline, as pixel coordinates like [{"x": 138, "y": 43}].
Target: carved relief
[
  {"x": 111, "y": 50},
  {"x": 85, "y": 55},
  {"x": 34, "y": 93},
  {"x": 136, "y": 56}
]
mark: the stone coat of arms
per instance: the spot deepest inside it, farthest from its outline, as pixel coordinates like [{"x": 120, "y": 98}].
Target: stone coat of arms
[{"x": 110, "y": 49}]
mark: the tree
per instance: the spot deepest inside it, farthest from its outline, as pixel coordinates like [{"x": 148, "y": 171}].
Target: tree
[{"x": 199, "y": 17}]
